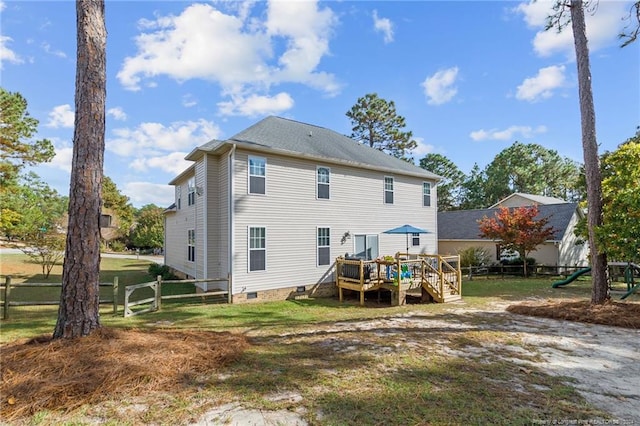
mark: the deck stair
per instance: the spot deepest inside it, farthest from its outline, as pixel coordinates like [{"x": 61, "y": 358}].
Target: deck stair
[{"x": 432, "y": 277}]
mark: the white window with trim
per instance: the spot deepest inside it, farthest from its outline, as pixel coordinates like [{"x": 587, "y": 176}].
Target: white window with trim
[
  {"x": 388, "y": 190},
  {"x": 415, "y": 239},
  {"x": 191, "y": 245},
  {"x": 257, "y": 248},
  {"x": 191, "y": 192},
  {"x": 257, "y": 175},
  {"x": 323, "y": 180},
  {"x": 426, "y": 194},
  {"x": 366, "y": 246},
  {"x": 323, "y": 242}
]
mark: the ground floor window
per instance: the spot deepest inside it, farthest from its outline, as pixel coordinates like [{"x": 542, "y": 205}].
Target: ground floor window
[
  {"x": 415, "y": 239},
  {"x": 324, "y": 246},
  {"x": 191, "y": 245},
  {"x": 257, "y": 248}
]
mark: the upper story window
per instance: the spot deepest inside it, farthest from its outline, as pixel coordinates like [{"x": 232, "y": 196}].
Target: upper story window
[
  {"x": 323, "y": 179},
  {"x": 426, "y": 194},
  {"x": 191, "y": 197},
  {"x": 257, "y": 175},
  {"x": 324, "y": 246},
  {"x": 388, "y": 190},
  {"x": 105, "y": 221},
  {"x": 178, "y": 196}
]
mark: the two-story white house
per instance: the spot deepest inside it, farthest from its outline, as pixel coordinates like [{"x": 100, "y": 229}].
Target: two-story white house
[{"x": 273, "y": 206}]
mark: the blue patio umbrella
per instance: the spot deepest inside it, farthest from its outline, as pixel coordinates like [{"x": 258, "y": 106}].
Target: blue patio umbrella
[{"x": 407, "y": 229}]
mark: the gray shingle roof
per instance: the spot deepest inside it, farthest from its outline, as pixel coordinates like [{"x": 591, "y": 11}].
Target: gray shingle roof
[
  {"x": 463, "y": 224},
  {"x": 293, "y": 137}
]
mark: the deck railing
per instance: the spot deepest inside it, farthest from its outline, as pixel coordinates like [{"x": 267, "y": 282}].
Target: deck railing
[{"x": 439, "y": 275}]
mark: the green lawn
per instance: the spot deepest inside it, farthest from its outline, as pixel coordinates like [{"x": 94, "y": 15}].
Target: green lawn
[{"x": 344, "y": 373}]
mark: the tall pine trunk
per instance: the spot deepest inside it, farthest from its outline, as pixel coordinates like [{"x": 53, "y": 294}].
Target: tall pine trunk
[
  {"x": 78, "y": 314},
  {"x": 599, "y": 273}
]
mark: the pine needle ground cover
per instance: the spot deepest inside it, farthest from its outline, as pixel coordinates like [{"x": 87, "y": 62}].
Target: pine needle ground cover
[{"x": 325, "y": 362}]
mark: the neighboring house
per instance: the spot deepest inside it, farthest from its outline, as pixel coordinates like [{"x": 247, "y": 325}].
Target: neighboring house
[
  {"x": 273, "y": 206},
  {"x": 518, "y": 199},
  {"x": 459, "y": 229}
]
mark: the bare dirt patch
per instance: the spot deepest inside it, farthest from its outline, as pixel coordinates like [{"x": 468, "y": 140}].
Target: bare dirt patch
[{"x": 113, "y": 364}]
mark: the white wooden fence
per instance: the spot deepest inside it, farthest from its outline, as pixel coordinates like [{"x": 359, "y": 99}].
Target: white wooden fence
[{"x": 155, "y": 303}]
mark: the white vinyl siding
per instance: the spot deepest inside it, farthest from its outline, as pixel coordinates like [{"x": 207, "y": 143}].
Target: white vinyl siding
[
  {"x": 388, "y": 190},
  {"x": 323, "y": 182},
  {"x": 324, "y": 246},
  {"x": 257, "y": 175},
  {"x": 426, "y": 194},
  {"x": 178, "y": 196},
  {"x": 257, "y": 248},
  {"x": 177, "y": 223},
  {"x": 292, "y": 215}
]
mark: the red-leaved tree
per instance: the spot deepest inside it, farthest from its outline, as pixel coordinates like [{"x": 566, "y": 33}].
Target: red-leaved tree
[{"x": 517, "y": 229}]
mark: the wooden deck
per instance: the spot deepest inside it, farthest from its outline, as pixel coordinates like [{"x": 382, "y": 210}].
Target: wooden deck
[{"x": 433, "y": 277}]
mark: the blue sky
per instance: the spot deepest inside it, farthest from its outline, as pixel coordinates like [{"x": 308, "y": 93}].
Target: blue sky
[{"x": 470, "y": 77}]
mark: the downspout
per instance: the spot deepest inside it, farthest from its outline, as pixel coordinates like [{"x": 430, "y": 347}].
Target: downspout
[
  {"x": 231, "y": 222},
  {"x": 205, "y": 223}
]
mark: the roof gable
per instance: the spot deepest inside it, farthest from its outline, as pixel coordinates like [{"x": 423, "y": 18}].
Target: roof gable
[
  {"x": 289, "y": 137},
  {"x": 463, "y": 224},
  {"x": 521, "y": 199}
]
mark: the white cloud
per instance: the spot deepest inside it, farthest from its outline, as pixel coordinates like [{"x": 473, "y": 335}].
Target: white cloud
[
  {"x": 306, "y": 30},
  {"x": 421, "y": 150},
  {"x": 189, "y": 101},
  {"x": 507, "y": 134},
  {"x": 6, "y": 54},
  {"x": 383, "y": 25},
  {"x": 141, "y": 193},
  {"x": 439, "y": 88},
  {"x": 238, "y": 51},
  {"x": 63, "y": 156},
  {"x": 117, "y": 113},
  {"x": 47, "y": 48},
  {"x": 603, "y": 26},
  {"x": 151, "y": 139},
  {"x": 61, "y": 116},
  {"x": 173, "y": 163},
  {"x": 255, "y": 105},
  {"x": 542, "y": 85}
]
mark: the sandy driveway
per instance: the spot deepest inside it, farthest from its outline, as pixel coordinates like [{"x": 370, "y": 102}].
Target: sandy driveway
[{"x": 602, "y": 363}]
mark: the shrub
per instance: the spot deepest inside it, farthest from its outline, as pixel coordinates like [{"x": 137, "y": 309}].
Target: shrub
[
  {"x": 156, "y": 269},
  {"x": 474, "y": 256},
  {"x": 117, "y": 246}
]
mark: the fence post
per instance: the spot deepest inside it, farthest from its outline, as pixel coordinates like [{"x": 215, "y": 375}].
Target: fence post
[
  {"x": 159, "y": 292},
  {"x": 7, "y": 293},
  {"x": 115, "y": 295}
]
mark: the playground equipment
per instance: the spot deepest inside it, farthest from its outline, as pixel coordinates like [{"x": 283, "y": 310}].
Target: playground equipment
[
  {"x": 571, "y": 277},
  {"x": 632, "y": 287},
  {"x": 629, "y": 274}
]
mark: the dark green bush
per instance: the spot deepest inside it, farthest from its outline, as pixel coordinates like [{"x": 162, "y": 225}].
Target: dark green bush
[{"x": 156, "y": 269}]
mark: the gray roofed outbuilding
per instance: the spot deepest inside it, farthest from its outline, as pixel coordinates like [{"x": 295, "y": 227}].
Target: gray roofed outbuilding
[
  {"x": 463, "y": 224},
  {"x": 290, "y": 137}
]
